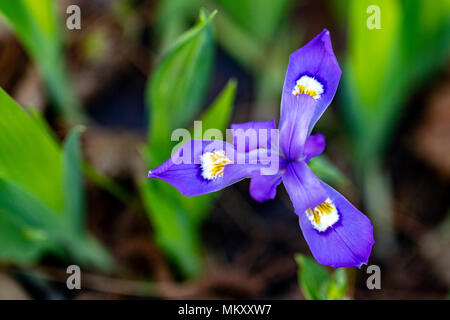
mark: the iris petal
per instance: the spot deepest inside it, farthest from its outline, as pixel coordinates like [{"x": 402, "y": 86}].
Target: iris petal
[
  {"x": 303, "y": 187},
  {"x": 262, "y": 131},
  {"x": 183, "y": 170},
  {"x": 314, "y": 145},
  {"x": 264, "y": 187},
  {"x": 295, "y": 116},
  {"x": 316, "y": 60},
  {"x": 348, "y": 242}
]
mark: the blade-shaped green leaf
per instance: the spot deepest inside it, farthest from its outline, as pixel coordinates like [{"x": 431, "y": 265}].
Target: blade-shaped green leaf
[
  {"x": 178, "y": 85},
  {"x": 26, "y": 210},
  {"x": 371, "y": 49},
  {"x": 312, "y": 278},
  {"x": 173, "y": 17},
  {"x": 259, "y": 18},
  {"x": 28, "y": 155},
  {"x": 175, "y": 231},
  {"x": 383, "y": 69},
  {"x": 36, "y": 25},
  {"x": 326, "y": 171},
  {"x": 317, "y": 284},
  {"x": 15, "y": 245},
  {"x": 337, "y": 286},
  {"x": 73, "y": 180},
  {"x": 384, "y": 65},
  {"x": 31, "y": 190},
  {"x": 217, "y": 116}
]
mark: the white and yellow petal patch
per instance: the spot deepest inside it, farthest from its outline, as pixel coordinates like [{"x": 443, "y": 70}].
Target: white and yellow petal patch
[
  {"x": 213, "y": 164},
  {"x": 323, "y": 216},
  {"x": 308, "y": 85}
]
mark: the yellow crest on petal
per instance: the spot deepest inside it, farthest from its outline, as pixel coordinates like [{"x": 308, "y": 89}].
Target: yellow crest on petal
[
  {"x": 308, "y": 85},
  {"x": 323, "y": 216},
  {"x": 213, "y": 164}
]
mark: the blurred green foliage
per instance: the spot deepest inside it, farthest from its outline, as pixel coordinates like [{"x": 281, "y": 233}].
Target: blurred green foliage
[
  {"x": 254, "y": 32},
  {"x": 37, "y": 26},
  {"x": 41, "y": 193},
  {"x": 178, "y": 85},
  {"x": 175, "y": 95},
  {"x": 327, "y": 171},
  {"x": 317, "y": 284},
  {"x": 383, "y": 67}
]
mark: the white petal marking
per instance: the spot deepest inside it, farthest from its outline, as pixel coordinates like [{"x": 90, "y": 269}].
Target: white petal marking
[
  {"x": 323, "y": 216},
  {"x": 308, "y": 85},
  {"x": 213, "y": 164}
]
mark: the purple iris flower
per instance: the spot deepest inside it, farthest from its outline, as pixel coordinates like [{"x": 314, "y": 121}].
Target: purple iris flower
[{"x": 338, "y": 234}]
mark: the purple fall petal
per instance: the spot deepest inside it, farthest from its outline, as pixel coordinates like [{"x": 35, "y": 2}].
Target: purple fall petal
[
  {"x": 295, "y": 117},
  {"x": 262, "y": 134},
  {"x": 348, "y": 242},
  {"x": 316, "y": 59},
  {"x": 187, "y": 177},
  {"x": 315, "y": 145},
  {"x": 303, "y": 187}
]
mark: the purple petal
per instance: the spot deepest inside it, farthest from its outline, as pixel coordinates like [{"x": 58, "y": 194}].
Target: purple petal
[
  {"x": 347, "y": 243},
  {"x": 314, "y": 145},
  {"x": 264, "y": 187},
  {"x": 303, "y": 187},
  {"x": 317, "y": 60},
  {"x": 255, "y": 134},
  {"x": 295, "y": 116},
  {"x": 183, "y": 169}
]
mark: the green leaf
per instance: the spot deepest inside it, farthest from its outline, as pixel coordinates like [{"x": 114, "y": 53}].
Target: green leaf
[
  {"x": 260, "y": 19},
  {"x": 29, "y": 156},
  {"x": 15, "y": 245},
  {"x": 174, "y": 229},
  {"x": 383, "y": 68},
  {"x": 27, "y": 210},
  {"x": 217, "y": 116},
  {"x": 412, "y": 43},
  {"x": 337, "y": 286},
  {"x": 317, "y": 284},
  {"x": 88, "y": 252},
  {"x": 44, "y": 227},
  {"x": 82, "y": 247},
  {"x": 178, "y": 85},
  {"x": 312, "y": 278},
  {"x": 73, "y": 180},
  {"x": 238, "y": 43},
  {"x": 326, "y": 171},
  {"x": 173, "y": 17},
  {"x": 36, "y": 25},
  {"x": 372, "y": 47},
  {"x": 32, "y": 206}
]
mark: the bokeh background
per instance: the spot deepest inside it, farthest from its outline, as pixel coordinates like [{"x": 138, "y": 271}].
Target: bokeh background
[{"x": 136, "y": 70}]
